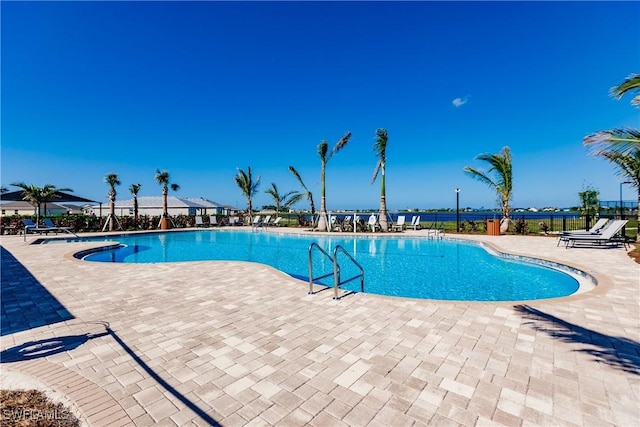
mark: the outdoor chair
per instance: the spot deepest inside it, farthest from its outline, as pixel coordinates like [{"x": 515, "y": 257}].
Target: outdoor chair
[
  {"x": 276, "y": 222},
  {"x": 400, "y": 224},
  {"x": 199, "y": 222},
  {"x": 415, "y": 222},
  {"x": 601, "y": 225},
  {"x": 50, "y": 224},
  {"x": 213, "y": 221},
  {"x": 373, "y": 223},
  {"x": 606, "y": 237}
]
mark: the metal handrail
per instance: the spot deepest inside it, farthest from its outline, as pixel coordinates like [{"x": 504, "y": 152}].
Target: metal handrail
[
  {"x": 336, "y": 271},
  {"x": 311, "y": 278}
]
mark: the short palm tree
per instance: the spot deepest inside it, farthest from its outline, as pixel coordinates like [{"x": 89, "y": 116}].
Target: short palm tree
[
  {"x": 302, "y": 194},
  {"x": 248, "y": 188},
  {"x": 163, "y": 179},
  {"x": 112, "y": 181},
  {"x": 325, "y": 156},
  {"x": 502, "y": 183},
  {"x": 134, "y": 189},
  {"x": 380, "y": 148},
  {"x": 39, "y": 195},
  {"x": 283, "y": 200}
]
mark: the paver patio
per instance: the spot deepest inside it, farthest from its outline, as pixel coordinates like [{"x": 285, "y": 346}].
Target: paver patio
[{"x": 235, "y": 343}]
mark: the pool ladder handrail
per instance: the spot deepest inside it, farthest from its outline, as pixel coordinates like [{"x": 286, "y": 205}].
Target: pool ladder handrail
[{"x": 336, "y": 269}]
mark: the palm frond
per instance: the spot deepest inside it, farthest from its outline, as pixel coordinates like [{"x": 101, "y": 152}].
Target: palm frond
[
  {"x": 380, "y": 146},
  {"x": 623, "y": 140},
  {"x": 630, "y": 84},
  {"x": 375, "y": 172},
  {"x": 340, "y": 144},
  {"x": 298, "y": 177},
  {"x": 323, "y": 148},
  {"x": 480, "y": 176}
]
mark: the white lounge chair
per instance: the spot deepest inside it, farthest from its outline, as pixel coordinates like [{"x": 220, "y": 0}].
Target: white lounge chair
[
  {"x": 199, "y": 222},
  {"x": 276, "y": 222},
  {"x": 606, "y": 237},
  {"x": 213, "y": 221},
  {"x": 415, "y": 222},
  {"x": 601, "y": 225},
  {"x": 400, "y": 223},
  {"x": 373, "y": 223}
]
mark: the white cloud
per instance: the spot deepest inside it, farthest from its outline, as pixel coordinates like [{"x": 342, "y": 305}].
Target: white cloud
[{"x": 459, "y": 102}]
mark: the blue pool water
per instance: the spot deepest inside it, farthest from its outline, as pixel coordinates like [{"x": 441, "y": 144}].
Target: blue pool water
[{"x": 408, "y": 267}]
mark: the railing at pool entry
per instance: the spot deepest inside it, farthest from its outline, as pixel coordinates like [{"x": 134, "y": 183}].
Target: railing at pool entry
[{"x": 337, "y": 282}]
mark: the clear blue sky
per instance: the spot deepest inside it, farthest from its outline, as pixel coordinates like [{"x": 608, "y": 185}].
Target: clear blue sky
[{"x": 200, "y": 88}]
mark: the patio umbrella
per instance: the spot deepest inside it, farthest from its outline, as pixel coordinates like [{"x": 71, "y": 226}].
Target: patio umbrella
[{"x": 58, "y": 196}]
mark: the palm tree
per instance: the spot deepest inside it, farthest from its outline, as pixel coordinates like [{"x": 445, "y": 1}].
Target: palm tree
[
  {"x": 380, "y": 148},
  {"x": 630, "y": 84},
  {"x": 624, "y": 140},
  {"x": 303, "y": 194},
  {"x": 163, "y": 179},
  {"x": 134, "y": 189},
  {"x": 628, "y": 166},
  {"x": 502, "y": 183},
  {"x": 112, "y": 180},
  {"x": 325, "y": 156},
  {"x": 248, "y": 187},
  {"x": 38, "y": 195},
  {"x": 279, "y": 199},
  {"x": 4, "y": 190}
]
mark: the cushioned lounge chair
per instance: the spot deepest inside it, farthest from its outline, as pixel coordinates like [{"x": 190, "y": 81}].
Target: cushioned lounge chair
[
  {"x": 276, "y": 222},
  {"x": 50, "y": 224},
  {"x": 606, "y": 237},
  {"x": 199, "y": 222},
  {"x": 601, "y": 225},
  {"x": 213, "y": 221}
]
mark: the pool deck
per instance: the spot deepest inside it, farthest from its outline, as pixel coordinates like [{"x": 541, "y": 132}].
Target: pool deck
[{"x": 235, "y": 343}]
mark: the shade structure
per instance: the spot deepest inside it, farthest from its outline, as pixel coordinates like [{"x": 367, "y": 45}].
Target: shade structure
[{"x": 58, "y": 196}]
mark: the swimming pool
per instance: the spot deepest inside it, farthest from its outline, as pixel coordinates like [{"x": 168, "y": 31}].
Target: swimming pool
[{"x": 396, "y": 266}]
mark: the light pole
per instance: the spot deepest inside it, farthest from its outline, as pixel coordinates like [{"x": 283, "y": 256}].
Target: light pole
[
  {"x": 621, "y": 208},
  {"x": 457, "y": 210}
]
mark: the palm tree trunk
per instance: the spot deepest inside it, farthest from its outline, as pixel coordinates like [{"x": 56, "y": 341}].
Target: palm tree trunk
[
  {"x": 112, "y": 210},
  {"x": 384, "y": 226},
  {"x": 638, "y": 224},
  {"x": 504, "y": 223},
  {"x": 165, "y": 207},
  {"x": 322, "y": 221},
  {"x": 135, "y": 211}
]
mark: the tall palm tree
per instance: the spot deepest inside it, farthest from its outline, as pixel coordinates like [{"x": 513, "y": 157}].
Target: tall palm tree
[
  {"x": 248, "y": 187},
  {"x": 303, "y": 194},
  {"x": 163, "y": 179},
  {"x": 380, "y": 148},
  {"x": 502, "y": 183},
  {"x": 112, "y": 180},
  {"x": 628, "y": 167},
  {"x": 134, "y": 189},
  {"x": 325, "y": 156},
  {"x": 39, "y": 195},
  {"x": 279, "y": 199}
]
